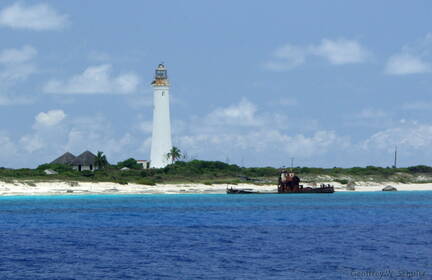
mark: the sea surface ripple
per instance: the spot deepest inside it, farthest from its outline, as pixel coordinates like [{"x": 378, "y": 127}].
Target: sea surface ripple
[{"x": 305, "y": 236}]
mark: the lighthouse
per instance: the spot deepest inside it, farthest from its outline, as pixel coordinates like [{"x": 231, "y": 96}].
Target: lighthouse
[{"x": 161, "y": 137}]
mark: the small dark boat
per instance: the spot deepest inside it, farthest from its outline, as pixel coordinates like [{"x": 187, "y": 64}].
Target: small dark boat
[
  {"x": 243, "y": 191},
  {"x": 288, "y": 183}
]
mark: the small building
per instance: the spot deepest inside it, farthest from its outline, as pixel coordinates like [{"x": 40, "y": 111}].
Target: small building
[
  {"x": 66, "y": 158},
  {"x": 145, "y": 163},
  {"x": 50, "y": 172},
  {"x": 85, "y": 161}
]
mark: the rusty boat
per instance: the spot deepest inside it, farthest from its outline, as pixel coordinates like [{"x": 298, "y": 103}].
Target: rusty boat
[{"x": 288, "y": 183}]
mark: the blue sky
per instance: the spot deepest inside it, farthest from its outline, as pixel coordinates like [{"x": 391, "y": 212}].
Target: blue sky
[{"x": 330, "y": 83}]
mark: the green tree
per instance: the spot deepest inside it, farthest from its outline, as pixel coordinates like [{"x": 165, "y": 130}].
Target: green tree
[
  {"x": 101, "y": 161},
  {"x": 174, "y": 154},
  {"x": 129, "y": 163}
]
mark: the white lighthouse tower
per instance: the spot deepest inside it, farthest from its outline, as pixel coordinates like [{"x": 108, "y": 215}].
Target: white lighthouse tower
[{"x": 161, "y": 138}]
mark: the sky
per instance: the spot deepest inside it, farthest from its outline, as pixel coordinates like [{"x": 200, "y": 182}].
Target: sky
[{"x": 253, "y": 83}]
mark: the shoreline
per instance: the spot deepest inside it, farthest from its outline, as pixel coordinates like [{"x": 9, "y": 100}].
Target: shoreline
[{"x": 84, "y": 188}]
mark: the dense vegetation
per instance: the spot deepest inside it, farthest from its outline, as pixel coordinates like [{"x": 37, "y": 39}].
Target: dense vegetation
[{"x": 210, "y": 172}]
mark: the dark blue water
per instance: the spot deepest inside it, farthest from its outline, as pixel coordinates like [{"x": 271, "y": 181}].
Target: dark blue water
[{"x": 336, "y": 236}]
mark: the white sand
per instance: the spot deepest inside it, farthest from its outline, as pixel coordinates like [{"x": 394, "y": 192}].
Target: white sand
[{"x": 61, "y": 188}]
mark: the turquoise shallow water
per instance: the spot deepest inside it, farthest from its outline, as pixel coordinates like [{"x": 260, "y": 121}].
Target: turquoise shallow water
[{"x": 326, "y": 236}]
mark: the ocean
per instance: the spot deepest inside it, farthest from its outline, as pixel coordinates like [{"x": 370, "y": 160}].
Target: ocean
[{"x": 377, "y": 235}]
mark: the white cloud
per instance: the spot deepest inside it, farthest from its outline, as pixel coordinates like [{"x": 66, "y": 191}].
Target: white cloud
[
  {"x": 95, "y": 80},
  {"x": 17, "y": 72},
  {"x": 412, "y": 59},
  {"x": 264, "y": 141},
  {"x": 80, "y": 139},
  {"x": 50, "y": 118},
  {"x": 241, "y": 114},
  {"x": 37, "y": 17},
  {"x": 337, "y": 52},
  {"x": 241, "y": 129},
  {"x": 8, "y": 149},
  {"x": 53, "y": 135},
  {"x": 341, "y": 51},
  {"x": 145, "y": 126},
  {"x": 17, "y": 64},
  {"x": 318, "y": 143},
  {"x": 410, "y": 135},
  {"x": 95, "y": 133},
  {"x": 403, "y": 64},
  {"x": 32, "y": 143},
  {"x": 126, "y": 83},
  {"x": 145, "y": 145},
  {"x": 369, "y": 118},
  {"x": 287, "y": 57},
  {"x": 13, "y": 56},
  {"x": 421, "y": 47},
  {"x": 47, "y": 129}
]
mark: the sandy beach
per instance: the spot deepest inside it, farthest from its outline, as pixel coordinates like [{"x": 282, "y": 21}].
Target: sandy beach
[{"x": 63, "y": 188}]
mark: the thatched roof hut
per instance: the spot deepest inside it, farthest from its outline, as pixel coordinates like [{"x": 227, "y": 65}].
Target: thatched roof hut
[
  {"x": 86, "y": 158},
  {"x": 85, "y": 161},
  {"x": 66, "y": 158}
]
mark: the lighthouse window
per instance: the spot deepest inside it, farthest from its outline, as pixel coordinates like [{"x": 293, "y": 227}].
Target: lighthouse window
[
  {"x": 163, "y": 92},
  {"x": 161, "y": 74}
]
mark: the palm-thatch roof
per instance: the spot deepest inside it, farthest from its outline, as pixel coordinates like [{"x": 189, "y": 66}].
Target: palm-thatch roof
[
  {"x": 87, "y": 158},
  {"x": 66, "y": 158}
]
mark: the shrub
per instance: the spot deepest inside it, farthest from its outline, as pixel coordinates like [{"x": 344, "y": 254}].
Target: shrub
[
  {"x": 145, "y": 181},
  {"x": 71, "y": 174},
  {"x": 342, "y": 181},
  {"x": 87, "y": 173},
  {"x": 101, "y": 173},
  {"x": 129, "y": 163},
  {"x": 60, "y": 168},
  {"x": 402, "y": 180},
  {"x": 420, "y": 169}
]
